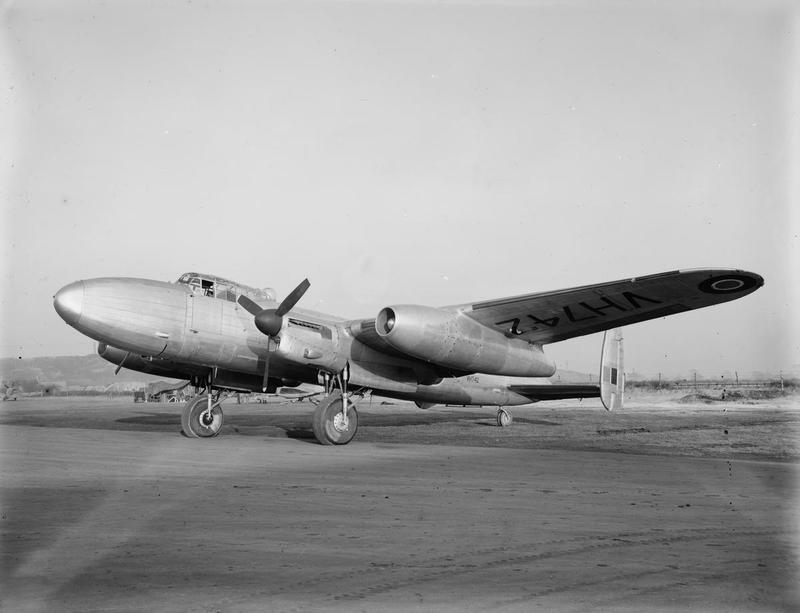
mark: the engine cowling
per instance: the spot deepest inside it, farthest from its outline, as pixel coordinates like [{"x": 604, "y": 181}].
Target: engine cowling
[{"x": 453, "y": 340}]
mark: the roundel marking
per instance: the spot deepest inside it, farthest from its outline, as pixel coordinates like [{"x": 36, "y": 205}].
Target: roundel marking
[{"x": 726, "y": 284}]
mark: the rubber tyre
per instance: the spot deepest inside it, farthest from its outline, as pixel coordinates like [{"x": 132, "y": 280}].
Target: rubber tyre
[
  {"x": 325, "y": 421},
  {"x": 192, "y": 423},
  {"x": 186, "y": 411},
  {"x": 504, "y": 418}
]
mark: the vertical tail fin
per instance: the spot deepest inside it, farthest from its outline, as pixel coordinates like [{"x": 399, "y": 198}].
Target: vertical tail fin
[{"x": 612, "y": 375}]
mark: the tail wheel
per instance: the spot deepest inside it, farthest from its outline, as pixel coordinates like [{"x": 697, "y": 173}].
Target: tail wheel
[
  {"x": 330, "y": 427},
  {"x": 504, "y": 418},
  {"x": 197, "y": 421}
]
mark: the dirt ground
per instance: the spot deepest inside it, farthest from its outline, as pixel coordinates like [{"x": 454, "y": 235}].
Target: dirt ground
[{"x": 663, "y": 506}]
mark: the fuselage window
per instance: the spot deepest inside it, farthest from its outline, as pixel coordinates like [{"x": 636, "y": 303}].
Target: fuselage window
[{"x": 208, "y": 288}]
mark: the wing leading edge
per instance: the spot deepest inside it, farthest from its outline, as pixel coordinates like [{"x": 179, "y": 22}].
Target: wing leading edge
[{"x": 548, "y": 317}]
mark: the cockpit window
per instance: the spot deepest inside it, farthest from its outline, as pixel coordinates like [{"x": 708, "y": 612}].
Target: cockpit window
[{"x": 216, "y": 287}]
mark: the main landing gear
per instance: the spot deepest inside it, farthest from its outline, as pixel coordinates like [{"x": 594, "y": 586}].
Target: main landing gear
[
  {"x": 335, "y": 419},
  {"x": 201, "y": 417},
  {"x": 332, "y": 423}
]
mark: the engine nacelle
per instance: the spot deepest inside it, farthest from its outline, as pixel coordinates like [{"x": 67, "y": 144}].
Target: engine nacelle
[{"x": 453, "y": 340}]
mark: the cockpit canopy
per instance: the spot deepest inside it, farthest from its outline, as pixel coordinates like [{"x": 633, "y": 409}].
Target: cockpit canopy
[{"x": 217, "y": 287}]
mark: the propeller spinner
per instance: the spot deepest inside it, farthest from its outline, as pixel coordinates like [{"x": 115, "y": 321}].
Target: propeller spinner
[{"x": 270, "y": 321}]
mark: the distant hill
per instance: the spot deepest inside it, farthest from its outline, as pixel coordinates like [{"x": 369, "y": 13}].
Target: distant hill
[{"x": 85, "y": 371}]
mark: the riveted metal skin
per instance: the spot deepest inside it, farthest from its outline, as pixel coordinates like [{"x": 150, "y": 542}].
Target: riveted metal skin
[
  {"x": 481, "y": 353},
  {"x": 455, "y": 341}
]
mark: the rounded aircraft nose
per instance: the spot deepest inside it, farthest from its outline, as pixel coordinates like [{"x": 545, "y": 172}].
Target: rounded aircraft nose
[{"x": 68, "y": 302}]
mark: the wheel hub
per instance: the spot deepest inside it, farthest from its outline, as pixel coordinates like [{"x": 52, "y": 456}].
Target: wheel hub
[{"x": 339, "y": 423}]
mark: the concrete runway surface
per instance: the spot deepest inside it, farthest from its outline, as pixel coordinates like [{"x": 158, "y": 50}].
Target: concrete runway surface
[{"x": 664, "y": 507}]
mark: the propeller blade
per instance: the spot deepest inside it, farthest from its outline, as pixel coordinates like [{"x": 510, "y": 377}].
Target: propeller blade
[
  {"x": 248, "y": 305},
  {"x": 290, "y": 300},
  {"x": 265, "y": 381},
  {"x": 269, "y": 321}
]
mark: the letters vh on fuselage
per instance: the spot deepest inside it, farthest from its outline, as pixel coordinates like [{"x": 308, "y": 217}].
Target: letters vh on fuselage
[{"x": 474, "y": 353}]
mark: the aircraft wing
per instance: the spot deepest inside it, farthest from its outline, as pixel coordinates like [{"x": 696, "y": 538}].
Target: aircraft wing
[
  {"x": 556, "y": 392},
  {"x": 548, "y": 317}
]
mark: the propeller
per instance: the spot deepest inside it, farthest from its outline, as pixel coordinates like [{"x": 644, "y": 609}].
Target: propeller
[{"x": 270, "y": 321}]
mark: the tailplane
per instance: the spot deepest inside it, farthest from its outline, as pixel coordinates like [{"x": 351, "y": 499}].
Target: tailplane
[{"x": 612, "y": 375}]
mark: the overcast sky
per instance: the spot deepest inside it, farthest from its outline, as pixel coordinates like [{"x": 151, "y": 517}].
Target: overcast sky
[{"x": 408, "y": 152}]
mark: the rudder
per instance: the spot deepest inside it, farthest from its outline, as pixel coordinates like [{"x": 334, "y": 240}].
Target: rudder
[{"x": 612, "y": 375}]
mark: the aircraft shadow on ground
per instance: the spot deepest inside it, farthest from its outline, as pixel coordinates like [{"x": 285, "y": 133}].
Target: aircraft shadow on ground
[
  {"x": 517, "y": 420},
  {"x": 254, "y": 425},
  {"x": 293, "y": 425},
  {"x": 301, "y": 434},
  {"x": 171, "y": 419},
  {"x": 382, "y": 420},
  {"x": 152, "y": 419}
]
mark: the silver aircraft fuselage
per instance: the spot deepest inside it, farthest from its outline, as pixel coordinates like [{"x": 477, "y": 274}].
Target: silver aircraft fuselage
[{"x": 179, "y": 330}]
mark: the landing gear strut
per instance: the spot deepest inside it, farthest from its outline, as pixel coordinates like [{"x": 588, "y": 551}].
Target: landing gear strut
[{"x": 335, "y": 419}]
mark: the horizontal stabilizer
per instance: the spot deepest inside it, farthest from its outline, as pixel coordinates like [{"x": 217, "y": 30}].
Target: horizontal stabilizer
[{"x": 556, "y": 392}]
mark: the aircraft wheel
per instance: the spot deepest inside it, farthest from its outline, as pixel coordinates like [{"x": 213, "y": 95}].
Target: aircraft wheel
[
  {"x": 504, "y": 418},
  {"x": 328, "y": 421},
  {"x": 196, "y": 422}
]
